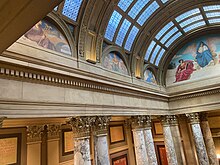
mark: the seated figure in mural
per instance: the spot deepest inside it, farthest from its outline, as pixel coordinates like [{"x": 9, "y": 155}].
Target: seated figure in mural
[
  {"x": 184, "y": 70},
  {"x": 38, "y": 35},
  {"x": 203, "y": 55}
]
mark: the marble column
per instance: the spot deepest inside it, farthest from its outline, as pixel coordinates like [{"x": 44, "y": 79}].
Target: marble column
[
  {"x": 101, "y": 141},
  {"x": 174, "y": 126},
  {"x": 139, "y": 141},
  {"x": 149, "y": 142},
  {"x": 193, "y": 119},
  {"x": 81, "y": 127},
  {"x": 210, "y": 146},
  {"x": 1, "y": 121},
  {"x": 168, "y": 140}
]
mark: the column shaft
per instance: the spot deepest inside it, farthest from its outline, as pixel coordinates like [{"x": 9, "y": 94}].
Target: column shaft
[
  {"x": 149, "y": 143},
  {"x": 140, "y": 148},
  {"x": 210, "y": 146}
]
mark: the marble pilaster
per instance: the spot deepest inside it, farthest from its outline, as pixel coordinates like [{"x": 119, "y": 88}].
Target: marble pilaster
[
  {"x": 193, "y": 119},
  {"x": 81, "y": 127},
  {"x": 149, "y": 142},
  {"x": 210, "y": 146},
  {"x": 101, "y": 141},
  {"x": 174, "y": 126},
  {"x": 139, "y": 140},
  {"x": 168, "y": 140}
]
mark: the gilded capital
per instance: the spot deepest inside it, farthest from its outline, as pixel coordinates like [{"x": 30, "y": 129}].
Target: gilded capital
[
  {"x": 193, "y": 118},
  {"x": 53, "y": 131},
  {"x": 81, "y": 125},
  {"x": 34, "y": 133},
  {"x": 137, "y": 121},
  {"x": 101, "y": 124},
  {"x": 1, "y": 121},
  {"x": 173, "y": 120}
]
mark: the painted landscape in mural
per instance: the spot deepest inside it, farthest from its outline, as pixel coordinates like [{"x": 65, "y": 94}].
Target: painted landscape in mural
[
  {"x": 114, "y": 62},
  {"x": 198, "y": 59},
  {"x": 149, "y": 77},
  {"x": 46, "y": 35}
]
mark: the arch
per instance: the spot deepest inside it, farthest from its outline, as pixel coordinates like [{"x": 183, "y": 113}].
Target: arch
[
  {"x": 152, "y": 77},
  {"x": 119, "y": 52}
]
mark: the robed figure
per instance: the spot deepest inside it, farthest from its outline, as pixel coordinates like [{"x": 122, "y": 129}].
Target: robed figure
[{"x": 203, "y": 55}]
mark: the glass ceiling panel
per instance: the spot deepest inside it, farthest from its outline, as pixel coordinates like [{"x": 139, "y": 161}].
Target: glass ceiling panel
[
  {"x": 131, "y": 37},
  {"x": 148, "y": 12},
  {"x": 124, "y": 4},
  {"x": 159, "y": 56},
  {"x": 168, "y": 35},
  {"x": 149, "y": 50},
  {"x": 177, "y": 35},
  {"x": 112, "y": 25},
  {"x": 164, "y": 1},
  {"x": 187, "y": 14},
  {"x": 164, "y": 30},
  {"x": 71, "y": 8},
  {"x": 212, "y": 7},
  {"x": 213, "y": 14},
  {"x": 138, "y": 6},
  {"x": 191, "y": 20},
  {"x": 122, "y": 32},
  {"x": 154, "y": 54},
  {"x": 212, "y": 21},
  {"x": 194, "y": 26}
]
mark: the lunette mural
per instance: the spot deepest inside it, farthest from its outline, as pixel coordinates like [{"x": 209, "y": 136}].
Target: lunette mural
[
  {"x": 45, "y": 34},
  {"x": 149, "y": 77},
  {"x": 113, "y": 62},
  {"x": 197, "y": 59}
]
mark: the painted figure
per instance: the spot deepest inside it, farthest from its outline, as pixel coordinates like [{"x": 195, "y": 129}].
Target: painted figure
[
  {"x": 150, "y": 77},
  {"x": 204, "y": 55},
  {"x": 184, "y": 70}
]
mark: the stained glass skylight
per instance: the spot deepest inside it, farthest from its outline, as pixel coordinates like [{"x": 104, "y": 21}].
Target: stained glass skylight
[
  {"x": 168, "y": 35},
  {"x": 164, "y": 1},
  {"x": 149, "y": 50},
  {"x": 164, "y": 30},
  {"x": 213, "y": 21},
  {"x": 148, "y": 12},
  {"x": 159, "y": 56},
  {"x": 191, "y": 20},
  {"x": 112, "y": 25},
  {"x": 122, "y": 32},
  {"x": 124, "y": 4},
  {"x": 131, "y": 38},
  {"x": 187, "y": 14},
  {"x": 171, "y": 40},
  {"x": 154, "y": 54},
  {"x": 71, "y": 8},
  {"x": 213, "y": 14},
  {"x": 211, "y": 8},
  {"x": 138, "y": 6},
  {"x": 194, "y": 26}
]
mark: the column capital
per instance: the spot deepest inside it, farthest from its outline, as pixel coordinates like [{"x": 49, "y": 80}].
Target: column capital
[
  {"x": 53, "y": 131},
  {"x": 173, "y": 120},
  {"x": 137, "y": 122},
  {"x": 34, "y": 133},
  {"x": 165, "y": 120},
  {"x": 192, "y": 118},
  {"x": 203, "y": 116},
  {"x": 147, "y": 122},
  {"x": 100, "y": 125},
  {"x": 81, "y": 125},
  {"x": 1, "y": 121}
]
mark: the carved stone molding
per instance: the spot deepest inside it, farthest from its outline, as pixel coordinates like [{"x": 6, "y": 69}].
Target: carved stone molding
[
  {"x": 192, "y": 118},
  {"x": 137, "y": 122},
  {"x": 165, "y": 120},
  {"x": 173, "y": 120},
  {"x": 53, "y": 131},
  {"x": 34, "y": 133},
  {"x": 1, "y": 121},
  {"x": 81, "y": 125},
  {"x": 147, "y": 122},
  {"x": 100, "y": 125}
]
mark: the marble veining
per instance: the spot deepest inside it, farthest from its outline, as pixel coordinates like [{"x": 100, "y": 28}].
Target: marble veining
[
  {"x": 170, "y": 150},
  {"x": 82, "y": 152},
  {"x": 210, "y": 146},
  {"x": 140, "y": 149},
  {"x": 149, "y": 143},
  {"x": 200, "y": 146},
  {"x": 101, "y": 150}
]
